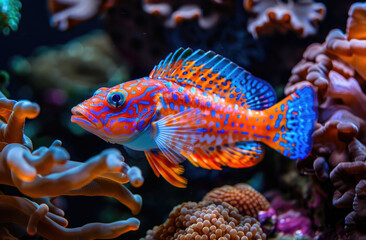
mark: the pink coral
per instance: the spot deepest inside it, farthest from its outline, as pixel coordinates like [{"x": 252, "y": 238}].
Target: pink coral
[{"x": 276, "y": 15}]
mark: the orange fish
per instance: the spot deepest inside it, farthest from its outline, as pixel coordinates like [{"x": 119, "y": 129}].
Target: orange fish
[{"x": 202, "y": 107}]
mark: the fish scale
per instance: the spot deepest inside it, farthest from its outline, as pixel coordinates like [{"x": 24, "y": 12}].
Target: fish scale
[{"x": 202, "y": 107}]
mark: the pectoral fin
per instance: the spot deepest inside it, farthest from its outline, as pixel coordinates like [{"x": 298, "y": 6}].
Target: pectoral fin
[{"x": 175, "y": 134}]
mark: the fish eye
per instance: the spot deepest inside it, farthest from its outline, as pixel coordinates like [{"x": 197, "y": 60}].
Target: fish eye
[{"x": 116, "y": 99}]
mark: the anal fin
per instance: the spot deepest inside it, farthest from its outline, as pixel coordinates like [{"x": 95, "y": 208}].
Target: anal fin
[
  {"x": 162, "y": 166},
  {"x": 239, "y": 155}
]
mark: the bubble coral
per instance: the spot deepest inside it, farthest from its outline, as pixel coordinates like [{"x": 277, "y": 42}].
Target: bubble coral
[
  {"x": 269, "y": 16},
  {"x": 48, "y": 172},
  {"x": 241, "y": 196},
  {"x": 9, "y": 15},
  {"x": 206, "y": 220}
]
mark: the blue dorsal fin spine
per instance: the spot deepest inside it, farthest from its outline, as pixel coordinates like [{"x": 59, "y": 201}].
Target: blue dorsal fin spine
[{"x": 215, "y": 74}]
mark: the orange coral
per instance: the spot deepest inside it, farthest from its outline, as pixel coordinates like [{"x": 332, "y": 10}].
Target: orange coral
[
  {"x": 241, "y": 196},
  {"x": 270, "y": 15},
  {"x": 206, "y": 220}
]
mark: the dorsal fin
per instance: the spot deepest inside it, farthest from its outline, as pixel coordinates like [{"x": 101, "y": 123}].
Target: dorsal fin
[{"x": 214, "y": 73}]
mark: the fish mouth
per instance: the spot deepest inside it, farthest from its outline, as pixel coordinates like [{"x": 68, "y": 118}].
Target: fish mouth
[{"x": 84, "y": 119}]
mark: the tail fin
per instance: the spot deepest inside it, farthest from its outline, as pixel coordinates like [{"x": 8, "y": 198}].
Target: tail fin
[{"x": 292, "y": 123}]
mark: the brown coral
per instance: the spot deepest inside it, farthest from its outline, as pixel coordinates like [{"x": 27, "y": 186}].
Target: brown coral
[
  {"x": 241, "y": 196},
  {"x": 277, "y": 15},
  {"x": 206, "y": 220}
]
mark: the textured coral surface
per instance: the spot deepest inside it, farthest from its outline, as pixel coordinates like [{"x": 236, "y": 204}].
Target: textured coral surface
[
  {"x": 207, "y": 220},
  {"x": 241, "y": 196}
]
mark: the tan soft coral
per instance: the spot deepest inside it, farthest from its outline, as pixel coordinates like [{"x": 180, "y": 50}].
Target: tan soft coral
[
  {"x": 269, "y": 16},
  {"x": 37, "y": 219},
  {"x": 206, "y": 220},
  {"x": 241, "y": 196},
  {"x": 47, "y": 172}
]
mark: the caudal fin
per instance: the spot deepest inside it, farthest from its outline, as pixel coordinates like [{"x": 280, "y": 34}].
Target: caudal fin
[{"x": 292, "y": 123}]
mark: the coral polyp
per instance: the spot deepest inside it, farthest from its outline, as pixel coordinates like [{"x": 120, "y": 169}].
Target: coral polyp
[
  {"x": 241, "y": 196},
  {"x": 206, "y": 220}
]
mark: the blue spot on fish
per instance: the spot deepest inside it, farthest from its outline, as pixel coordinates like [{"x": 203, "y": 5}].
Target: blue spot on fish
[
  {"x": 213, "y": 113},
  {"x": 175, "y": 97},
  {"x": 276, "y": 137}
]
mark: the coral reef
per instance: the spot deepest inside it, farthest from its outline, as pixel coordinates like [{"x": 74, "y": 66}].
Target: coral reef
[
  {"x": 241, "y": 196},
  {"x": 48, "y": 172},
  {"x": 9, "y": 15},
  {"x": 269, "y": 16},
  {"x": 206, "y": 220}
]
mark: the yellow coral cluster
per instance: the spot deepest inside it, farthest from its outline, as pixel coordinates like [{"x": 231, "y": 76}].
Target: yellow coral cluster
[
  {"x": 241, "y": 196},
  {"x": 207, "y": 220}
]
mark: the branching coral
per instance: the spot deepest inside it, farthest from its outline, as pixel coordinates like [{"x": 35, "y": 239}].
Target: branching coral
[
  {"x": 9, "y": 15},
  {"x": 207, "y": 220},
  {"x": 48, "y": 172},
  {"x": 300, "y": 16},
  {"x": 241, "y": 196},
  {"x": 175, "y": 13}
]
